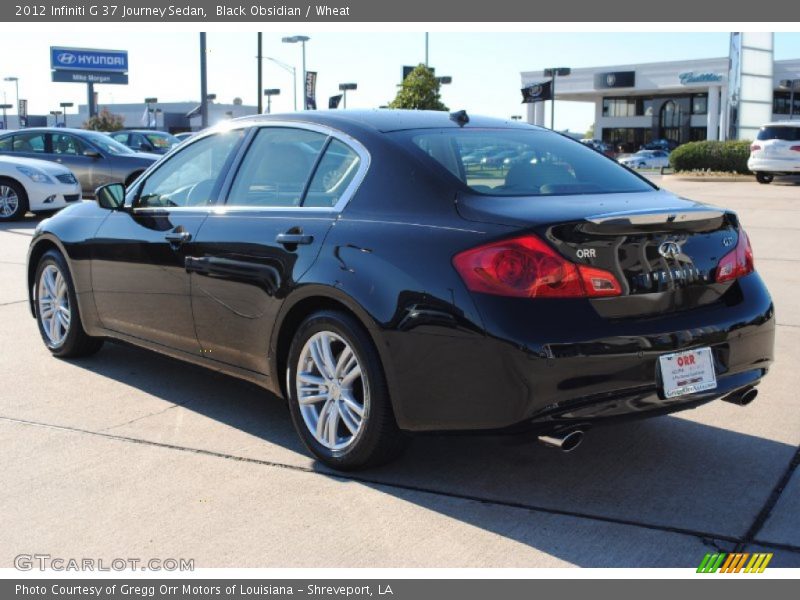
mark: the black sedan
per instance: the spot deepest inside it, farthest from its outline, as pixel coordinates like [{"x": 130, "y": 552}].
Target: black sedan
[
  {"x": 351, "y": 263},
  {"x": 93, "y": 157}
]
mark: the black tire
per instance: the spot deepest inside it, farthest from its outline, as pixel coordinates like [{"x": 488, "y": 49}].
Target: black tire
[
  {"x": 764, "y": 177},
  {"x": 379, "y": 440},
  {"x": 76, "y": 343},
  {"x": 22, "y": 200}
]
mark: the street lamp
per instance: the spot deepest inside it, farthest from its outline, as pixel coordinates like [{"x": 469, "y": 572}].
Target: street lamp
[
  {"x": 444, "y": 80},
  {"x": 290, "y": 69},
  {"x": 16, "y": 85},
  {"x": 301, "y": 39},
  {"x": 64, "y": 106},
  {"x": 516, "y": 117},
  {"x": 791, "y": 85},
  {"x": 553, "y": 73},
  {"x": 5, "y": 107},
  {"x": 150, "y": 104},
  {"x": 56, "y": 114},
  {"x": 269, "y": 94},
  {"x": 343, "y": 87}
]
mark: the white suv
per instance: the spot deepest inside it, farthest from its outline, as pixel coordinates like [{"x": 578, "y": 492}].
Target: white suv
[{"x": 776, "y": 151}]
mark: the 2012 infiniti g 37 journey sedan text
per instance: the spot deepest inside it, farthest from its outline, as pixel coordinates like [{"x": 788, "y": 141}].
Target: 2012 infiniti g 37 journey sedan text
[{"x": 350, "y": 262}]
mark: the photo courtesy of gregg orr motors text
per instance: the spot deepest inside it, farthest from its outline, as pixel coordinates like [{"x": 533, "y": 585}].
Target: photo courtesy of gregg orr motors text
[{"x": 187, "y": 589}]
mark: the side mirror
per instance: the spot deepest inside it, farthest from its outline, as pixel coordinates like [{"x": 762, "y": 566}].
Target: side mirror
[
  {"x": 92, "y": 154},
  {"x": 110, "y": 196}
]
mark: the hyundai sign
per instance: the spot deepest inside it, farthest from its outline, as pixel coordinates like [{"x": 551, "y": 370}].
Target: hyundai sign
[{"x": 88, "y": 60}]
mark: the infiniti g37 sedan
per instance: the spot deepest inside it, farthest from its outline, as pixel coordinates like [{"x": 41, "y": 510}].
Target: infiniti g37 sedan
[{"x": 351, "y": 263}]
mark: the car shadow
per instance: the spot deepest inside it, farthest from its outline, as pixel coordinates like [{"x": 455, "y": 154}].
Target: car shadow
[
  {"x": 661, "y": 486},
  {"x": 23, "y": 226}
]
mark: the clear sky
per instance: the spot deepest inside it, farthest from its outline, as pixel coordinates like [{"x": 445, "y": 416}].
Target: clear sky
[{"x": 485, "y": 67}]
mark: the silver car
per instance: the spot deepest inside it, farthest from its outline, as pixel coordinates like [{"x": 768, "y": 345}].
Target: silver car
[{"x": 92, "y": 156}]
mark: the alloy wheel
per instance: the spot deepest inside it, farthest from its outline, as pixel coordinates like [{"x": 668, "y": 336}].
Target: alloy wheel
[
  {"x": 332, "y": 391},
  {"x": 9, "y": 201},
  {"x": 55, "y": 313}
]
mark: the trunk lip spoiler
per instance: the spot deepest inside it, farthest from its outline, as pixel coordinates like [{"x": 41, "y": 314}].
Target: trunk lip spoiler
[{"x": 638, "y": 217}]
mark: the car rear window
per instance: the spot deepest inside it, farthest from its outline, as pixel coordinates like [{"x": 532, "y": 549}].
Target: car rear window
[
  {"x": 775, "y": 132},
  {"x": 523, "y": 162}
]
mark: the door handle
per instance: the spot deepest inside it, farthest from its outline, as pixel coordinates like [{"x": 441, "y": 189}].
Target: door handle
[
  {"x": 294, "y": 238},
  {"x": 178, "y": 237}
]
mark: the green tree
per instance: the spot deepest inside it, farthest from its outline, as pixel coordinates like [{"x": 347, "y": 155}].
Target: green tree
[
  {"x": 590, "y": 132},
  {"x": 105, "y": 120},
  {"x": 419, "y": 91}
]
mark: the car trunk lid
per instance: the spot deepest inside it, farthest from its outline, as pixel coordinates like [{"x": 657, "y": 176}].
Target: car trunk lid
[{"x": 662, "y": 249}]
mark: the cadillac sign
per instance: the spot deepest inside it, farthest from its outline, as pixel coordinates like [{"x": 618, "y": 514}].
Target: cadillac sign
[{"x": 692, "y": 77}]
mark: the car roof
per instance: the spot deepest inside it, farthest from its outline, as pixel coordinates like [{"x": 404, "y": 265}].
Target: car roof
[
  {"x": 141, "y": 131},
  {"x": 52, "y": 130},
  {"x": 385, "y": 120}
]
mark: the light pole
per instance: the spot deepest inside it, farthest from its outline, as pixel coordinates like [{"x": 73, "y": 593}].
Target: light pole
[
  {"x": 5, "y": 107},
  {"x": 16, "y": 86},
  {"x": 259, "y": 59},
  {"x": 553, "y": 73},
  {"x": 426, "y": 48},
  {"x": 64, "y": 106},
  {"x": 289, "y": 69},
  {"x": 343, "y": 87},
  {"x": 150, "y": 103},
  {"x": 301, "y": 39},
  {"x": 55, "y": 114},
  {"x": 203, "y": 82},
  {"x": 269, "y": 93},
  {"x": 791, "y": 84}
]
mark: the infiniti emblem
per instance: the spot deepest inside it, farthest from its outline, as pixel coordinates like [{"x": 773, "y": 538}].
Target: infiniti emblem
[{"x": 669, "y": 250}]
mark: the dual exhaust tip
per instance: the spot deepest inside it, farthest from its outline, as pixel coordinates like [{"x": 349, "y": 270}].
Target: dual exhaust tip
[
  {"x": 567, "y": 441},
  {"x": 742, "y": 397}
]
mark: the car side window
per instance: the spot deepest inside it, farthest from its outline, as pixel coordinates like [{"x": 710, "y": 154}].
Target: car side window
[
  {"x": 190, "y": 176},
  {"x": 122, "y": 138},
  {"x": 66, "y": 144},
  {"x": 334, "y": 173},
  {"x": 277, "y": 167},
  {"x": 29, "y": 142}
]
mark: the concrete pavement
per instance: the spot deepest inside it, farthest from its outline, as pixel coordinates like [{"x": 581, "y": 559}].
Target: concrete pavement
[{"x": 132, "y": 454}]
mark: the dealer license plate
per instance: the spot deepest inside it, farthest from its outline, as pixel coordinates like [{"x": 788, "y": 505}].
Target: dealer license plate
[{"x": 687, "y": 372}]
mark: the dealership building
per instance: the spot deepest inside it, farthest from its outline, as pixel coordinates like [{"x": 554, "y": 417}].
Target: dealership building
[{"x": 707, "y": 99}]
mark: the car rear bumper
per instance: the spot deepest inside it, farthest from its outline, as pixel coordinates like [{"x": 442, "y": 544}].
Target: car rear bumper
[
  {"x": 552, "y": 363},
  {"x": 773, "y": 165}
]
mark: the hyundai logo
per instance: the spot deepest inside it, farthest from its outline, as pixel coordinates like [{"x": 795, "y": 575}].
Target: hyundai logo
[
  {"x": 66, "y": 58},
  {"x": 611, "y": 79},
  {"x": 669, "y": 250}
]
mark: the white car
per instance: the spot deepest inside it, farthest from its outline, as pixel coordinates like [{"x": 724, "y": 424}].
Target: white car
[
  {"x": 29, "y": 184},
  {"x": 646, "y": 159},
  {"x": 776, "y": 151}
]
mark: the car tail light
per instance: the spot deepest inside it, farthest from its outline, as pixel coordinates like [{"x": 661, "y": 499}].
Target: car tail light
[
  {"x": 754, "y": 147},
  {"x": 526, "y": 267},
  {"x": 795, "y": 148},
  {"x": 738, "y": 262}
]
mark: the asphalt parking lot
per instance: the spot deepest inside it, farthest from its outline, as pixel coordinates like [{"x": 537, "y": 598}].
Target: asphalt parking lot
[{"x": 130, "y": 454}]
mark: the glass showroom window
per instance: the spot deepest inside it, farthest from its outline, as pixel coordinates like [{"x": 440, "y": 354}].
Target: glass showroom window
[{"x": 700, "y": 104}]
